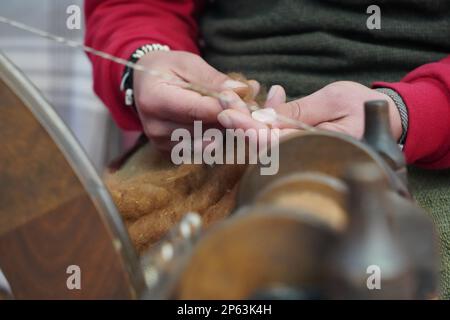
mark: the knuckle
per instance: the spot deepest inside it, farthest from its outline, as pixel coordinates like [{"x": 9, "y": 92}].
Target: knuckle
[
  {"x": 213, "y": 78},
  {"x": 339, "y": 89},
  {"x": 295, "y": 109}
]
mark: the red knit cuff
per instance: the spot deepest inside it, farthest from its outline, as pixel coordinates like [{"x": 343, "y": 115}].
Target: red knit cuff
[{"x": 428, "y": 137}]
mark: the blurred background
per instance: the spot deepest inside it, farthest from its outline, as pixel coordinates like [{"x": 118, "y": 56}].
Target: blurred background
[{"x": 62, "y": 74}]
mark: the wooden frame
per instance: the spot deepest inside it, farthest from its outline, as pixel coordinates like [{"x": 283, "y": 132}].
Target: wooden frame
[{"x": 54, "y": 209}]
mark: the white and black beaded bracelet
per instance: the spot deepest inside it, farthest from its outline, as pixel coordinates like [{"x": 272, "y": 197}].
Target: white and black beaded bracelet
[{"x": 126, "y": 84}]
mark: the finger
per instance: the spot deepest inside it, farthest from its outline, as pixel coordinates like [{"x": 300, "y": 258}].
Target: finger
[
  {"x": 233, "y": 119},
  {"x": 312, "y": 109},
  {"x": 231, "y": 100},
  {"x": 275, "y": 97},
  {"x": 170, "y": 102},
  {"x": 198, "y": 71},
  {"x": 256, "y": 87}
]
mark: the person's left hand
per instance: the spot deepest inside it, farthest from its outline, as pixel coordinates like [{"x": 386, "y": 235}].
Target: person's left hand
[{"x": 337, "y": 107}]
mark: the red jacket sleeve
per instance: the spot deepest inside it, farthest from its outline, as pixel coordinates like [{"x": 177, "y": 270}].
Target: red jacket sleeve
[
  {"x": 119, "y": 27},
  {"x": 426, "y": 93}
]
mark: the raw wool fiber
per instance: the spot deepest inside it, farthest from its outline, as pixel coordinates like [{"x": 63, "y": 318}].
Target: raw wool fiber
[
  {"x": 248, "y": 95},
  {"x": 152, "y": 194}
]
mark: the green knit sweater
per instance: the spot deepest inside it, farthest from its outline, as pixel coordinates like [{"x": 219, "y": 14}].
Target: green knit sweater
[{"x": 305, "y": 44}]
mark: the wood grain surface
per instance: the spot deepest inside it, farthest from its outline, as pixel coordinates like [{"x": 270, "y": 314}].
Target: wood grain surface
[{"x": 47, "y": 219}]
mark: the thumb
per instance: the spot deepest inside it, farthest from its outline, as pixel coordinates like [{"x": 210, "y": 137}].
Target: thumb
[
  {"x": 311, "y": 110},
  {"x": 275, "y": 97}
]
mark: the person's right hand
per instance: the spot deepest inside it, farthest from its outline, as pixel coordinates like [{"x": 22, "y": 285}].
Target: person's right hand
[{"x": 164, "y": 105}]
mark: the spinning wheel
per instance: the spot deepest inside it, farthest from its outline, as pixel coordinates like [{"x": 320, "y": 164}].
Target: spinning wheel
[
  {"x": 54, "y": 209},
  {"x": 55, "y": 213},
  {"x": 257, "y": 250}
]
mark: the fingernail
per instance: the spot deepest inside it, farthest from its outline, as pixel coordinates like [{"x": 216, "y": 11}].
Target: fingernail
[
  {"x": 227, "y": 101},
  {"x": 224, "y": 101},
  {"x": 272, "y": 92},
  {"x": 233, "y": 84},
  {"x": 225, "y": 120},
  {"x": 266, "y": 115}
]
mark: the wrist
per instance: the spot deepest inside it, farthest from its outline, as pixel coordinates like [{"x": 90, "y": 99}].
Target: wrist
[{"x": 126, "y": 84}]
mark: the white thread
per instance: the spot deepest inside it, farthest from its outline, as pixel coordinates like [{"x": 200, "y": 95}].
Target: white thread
[{"x": 165, "y": 76}]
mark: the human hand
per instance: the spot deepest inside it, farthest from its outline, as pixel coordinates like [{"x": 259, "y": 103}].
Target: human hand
[
  {"x": 337, "y": 107},
  {"x": 165, "y": 105}
]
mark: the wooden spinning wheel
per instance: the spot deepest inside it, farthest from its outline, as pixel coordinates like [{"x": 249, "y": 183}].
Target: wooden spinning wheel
[
  {"x": 54, "y": 209},
  {"x": 55, "y": 213}
]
